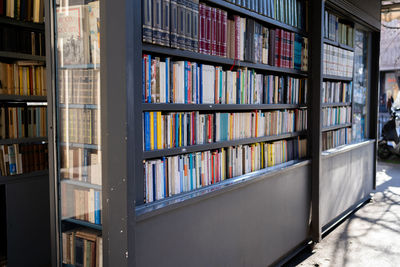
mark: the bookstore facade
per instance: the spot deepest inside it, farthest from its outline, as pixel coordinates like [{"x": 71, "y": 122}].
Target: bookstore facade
[{"x": 183, "y": 132}]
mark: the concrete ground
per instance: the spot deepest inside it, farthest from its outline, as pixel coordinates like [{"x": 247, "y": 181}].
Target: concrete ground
[{"x": 370, "y": 236}]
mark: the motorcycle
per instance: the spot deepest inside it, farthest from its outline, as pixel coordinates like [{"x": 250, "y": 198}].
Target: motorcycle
[{"x": 389, "y": 144}]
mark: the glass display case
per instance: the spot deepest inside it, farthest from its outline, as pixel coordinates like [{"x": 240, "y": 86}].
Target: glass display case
[
  {"x": 77, "y": 38},
  {"x": 360, "y": 85}
]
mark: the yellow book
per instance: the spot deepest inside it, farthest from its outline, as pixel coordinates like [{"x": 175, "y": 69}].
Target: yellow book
[
  {"x": 159, "y": 132},
  {"x": 21, "y": 90},
  {"x": 262, "y": 156},
  {"x": 151, "y": 130},
  {"x": 180, "y": 129},
  {"x": 27, "y": 81}
]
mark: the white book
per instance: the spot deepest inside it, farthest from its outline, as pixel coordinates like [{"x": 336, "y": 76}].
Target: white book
[
  {"x": 162, "y": 82},
  {"x": 218, "y": 127}
]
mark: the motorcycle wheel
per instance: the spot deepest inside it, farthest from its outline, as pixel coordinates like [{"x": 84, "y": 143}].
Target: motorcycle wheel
[{"x": 383, "y": 152}]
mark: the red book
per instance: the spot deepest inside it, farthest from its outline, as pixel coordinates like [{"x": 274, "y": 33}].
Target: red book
[
  {"x": 237, "y": 37},
  {"x": 292, "y": 35},
  {"x": 213, "y": 31},
  {"x": 218, "y": 34},
  {"x": 224, "y": 33},
  {"x": 278, "y": 47},
  {"x": 207, "y": 40},
  {"x": 202, "y": 28},
  {"x": 189, "y": 75}
]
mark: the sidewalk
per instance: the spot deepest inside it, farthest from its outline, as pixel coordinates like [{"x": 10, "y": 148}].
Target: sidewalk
[{"x": 369, "y": 237}]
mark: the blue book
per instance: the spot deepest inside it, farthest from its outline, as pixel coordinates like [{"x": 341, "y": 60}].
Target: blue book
[
  {"x": 12, "y": 160},
  {"x": 97, "y": 210},
  {"x": 143, "y": 81},
  {"x": 186, "y": 69},
  {"x": 167, "y": 82},
  {"x": 201, "y": 84},
  {"x": 224, "y": 126},
  {"x": 149, "y": 81},
  {"x": 147, "y": 131},
  {"x": 190, "y": 171}
]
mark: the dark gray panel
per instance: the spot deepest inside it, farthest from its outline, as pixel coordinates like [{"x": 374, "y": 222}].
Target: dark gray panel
[
  {"x": 371, "y": 7},
  {"x": 253, "y": 225},
  {"x": 28, "y": 223},
  {"x": 346, "y": 179}
]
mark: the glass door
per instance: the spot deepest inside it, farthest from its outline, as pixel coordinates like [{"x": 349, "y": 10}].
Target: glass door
[{"x": 77, "y": 38}]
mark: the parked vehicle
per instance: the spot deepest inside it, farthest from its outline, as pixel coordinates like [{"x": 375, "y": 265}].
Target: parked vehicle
[{"x": 389, "y": 143}]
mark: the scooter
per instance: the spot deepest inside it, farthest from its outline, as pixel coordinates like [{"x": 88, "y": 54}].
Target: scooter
[{"x": 389, "y": 144}]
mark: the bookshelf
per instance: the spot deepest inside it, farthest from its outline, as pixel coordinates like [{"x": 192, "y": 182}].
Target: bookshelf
[
  {"x": 24, "y": 175},
  {"x": 150, "y": 176},
  {"x": 77, "y": 207}
]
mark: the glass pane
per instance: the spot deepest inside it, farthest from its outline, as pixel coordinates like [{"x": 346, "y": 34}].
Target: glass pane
[
  {"x": 360, "y": 89},
  {"x": 79, "y": 147}
]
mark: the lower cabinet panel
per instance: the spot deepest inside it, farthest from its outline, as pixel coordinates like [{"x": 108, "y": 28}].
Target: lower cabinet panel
[
  {"x": 253, "y": 225},
  {"x": 28, "y": 223},
  {"x": 347, "y": 178}
]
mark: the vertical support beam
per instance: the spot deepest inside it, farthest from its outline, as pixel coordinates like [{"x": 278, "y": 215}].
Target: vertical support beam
[
  {"x": 316, "y": 48},
  {"x": 116, "y": 31},
  {"x": 374, "y": 94},
  {"x": 51, "y": 131}
]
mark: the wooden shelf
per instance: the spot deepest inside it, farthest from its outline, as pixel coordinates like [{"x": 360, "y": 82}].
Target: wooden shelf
[
  {"x": 214, "y": 107},
  {"x": 337, "y": 44},
  {"x": 21, "y": 23},
  {"x": 23, "y": 98},
  {"x": 18, "y": 177},
  {"x": 337, "y": 78},
  {"x": 335, "y": 127},
  {"x": 23, "y": 140},
  {"x": 338, "y": 104},
  {"x": 168, "y": 51},
  {"x": 15, "y": 55},
  {"x": 216, "y": 145},
  {"x": 83, "y": 223},
  {"x": 252, "y": 14},
  {"x": 81, "y": 184}
]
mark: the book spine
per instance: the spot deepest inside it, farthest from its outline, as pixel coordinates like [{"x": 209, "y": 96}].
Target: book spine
[
  {"x": 165, "y": 16},
  {"x": 224, "y": 33},
  {"x": 174, "y": 23},
  {"x": 147, "y": 21},
  {"x": 195, "y": 26}
]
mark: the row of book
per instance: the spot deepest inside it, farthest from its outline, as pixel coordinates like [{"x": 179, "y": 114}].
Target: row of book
[
  {"x": 336, "y": 92},
  {"x": 79, "y": 86},
  {"x": 209, "y": 30},
  {"x": 23, "y": 78},
  {"x": 173, "y": 175},
  {"x": 338, "y": 61},
  {"x": 178, "y": 129},
  {"x": 79, "y": 125},
  {"x": 26, "y": 10},
  {"x": 81, "y": 203},
  {"x": 82, "y": 247},
  {"x": 290, "y": 12},
  {"x": 80, "y": 164},
  {"x": 336, "y": 138},
  {"x": 78, "y": 33},
  {"x": 21, "y": 122},
  {"x": 15, "y": 39},
  {"x": 338, "y": 31},
  {"x": 336, "y": 116},
  {"x": 166, "y": 81},
  {"x": 23, "y": 158}
]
